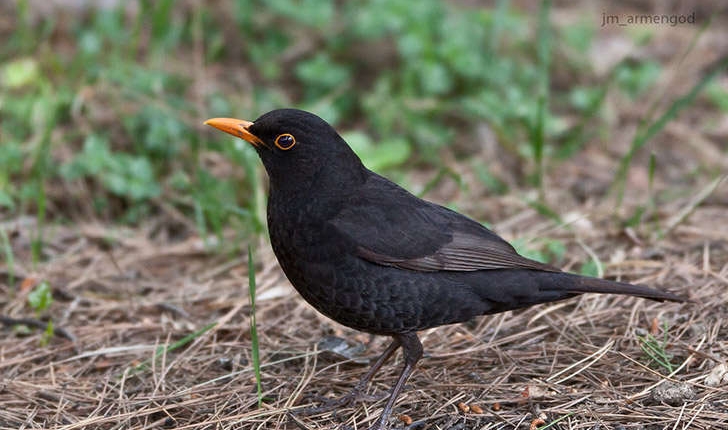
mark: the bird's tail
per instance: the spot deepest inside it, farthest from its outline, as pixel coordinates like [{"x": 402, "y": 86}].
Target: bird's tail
[{"x": 583, "y": 284}]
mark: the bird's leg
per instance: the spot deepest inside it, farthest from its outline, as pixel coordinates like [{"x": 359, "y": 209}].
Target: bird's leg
[
  {"x": 412, "y": 350},
  {"x": 367, "y": 378},
  {"x": 360, "y": 386}
]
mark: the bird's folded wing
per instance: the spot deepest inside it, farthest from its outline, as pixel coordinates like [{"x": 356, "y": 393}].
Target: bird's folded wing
[
  {"x": 390, "y": 226},
  {"x": 456, "y": 255}
]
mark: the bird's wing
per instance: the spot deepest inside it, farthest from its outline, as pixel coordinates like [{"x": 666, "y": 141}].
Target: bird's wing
[{"x": 390, "y": 226}]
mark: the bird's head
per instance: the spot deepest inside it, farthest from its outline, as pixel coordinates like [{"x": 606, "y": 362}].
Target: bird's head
[{"x": 295, "y": 146}]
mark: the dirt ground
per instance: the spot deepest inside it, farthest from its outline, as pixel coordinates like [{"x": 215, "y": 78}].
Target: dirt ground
[{"x": 123, "y": 297}]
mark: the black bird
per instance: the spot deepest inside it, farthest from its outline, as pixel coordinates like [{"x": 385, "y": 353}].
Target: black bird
[{"x": 370, "y": 255}]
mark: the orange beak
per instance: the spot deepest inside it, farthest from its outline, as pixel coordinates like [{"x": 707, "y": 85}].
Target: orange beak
[{"x": 236, "y": 127}]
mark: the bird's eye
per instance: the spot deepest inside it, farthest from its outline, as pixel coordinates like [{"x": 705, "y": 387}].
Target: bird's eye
[{"x": 285, "y": 141}]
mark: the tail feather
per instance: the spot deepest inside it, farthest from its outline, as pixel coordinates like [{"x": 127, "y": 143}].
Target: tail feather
[{"x": 584, "y": 284}]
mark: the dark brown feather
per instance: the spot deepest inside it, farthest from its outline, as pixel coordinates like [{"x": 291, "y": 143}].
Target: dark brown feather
[{"x": 466, "y": 252}]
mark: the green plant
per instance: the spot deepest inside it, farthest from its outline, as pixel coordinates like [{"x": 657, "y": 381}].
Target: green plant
[
  {"x": 122, "y": 174},
  {"x": 40, "y": 299},
  {"x": 386, "y": 155},
  {"x": 9, "y": 257},
  {"x": 717, "y": 95},
  {"x": 544, "y": 250},
  {"x": 538, "y": 137},
  {"x": 115, "y": 116},
  {"x": 634, "y": 78},
  {"x": 656, "y": 350},
  {"x": 165, "y": 349},
  {"x": 254, "y": 348},
  {"x": 592, "y": 267},
  {"x": 119, "y": 109}
]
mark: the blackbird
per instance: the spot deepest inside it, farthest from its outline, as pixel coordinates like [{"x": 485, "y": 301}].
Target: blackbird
[{"x": 368, "y": 254}]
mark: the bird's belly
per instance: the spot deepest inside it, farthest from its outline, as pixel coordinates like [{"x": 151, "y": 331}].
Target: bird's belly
[{"x": 374, "y": 298}]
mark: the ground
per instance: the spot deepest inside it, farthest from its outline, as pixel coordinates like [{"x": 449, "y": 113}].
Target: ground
[{"x": 579, "y": 360}]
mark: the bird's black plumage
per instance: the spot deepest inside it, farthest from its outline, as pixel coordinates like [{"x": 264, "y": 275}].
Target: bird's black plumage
[{"x": 370, "y": 255}]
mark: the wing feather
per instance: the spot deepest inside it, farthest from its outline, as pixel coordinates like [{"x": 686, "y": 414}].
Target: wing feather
[{"x": 391, "y": 227}]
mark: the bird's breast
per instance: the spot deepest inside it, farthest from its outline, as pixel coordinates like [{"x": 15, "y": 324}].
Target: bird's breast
[
  {"x": 306, "y": 246},
  {"x": 323, "y": 267}
]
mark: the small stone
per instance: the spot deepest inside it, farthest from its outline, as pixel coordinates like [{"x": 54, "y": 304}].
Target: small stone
[
  {"x": 673, "y": 393},
  {"x": 225, "y": 363},
  {"x": 717, "y": 376}
]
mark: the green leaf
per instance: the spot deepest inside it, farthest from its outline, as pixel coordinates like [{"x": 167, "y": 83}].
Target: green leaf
[
  {"x": 9, "y": 257},
  {"x": 389, "y": 153},
  {"x": 6, "y": 200},
  {"x": 527, "y": 250},
  {"x": 717, "y": 95},
  {"x": 120, "y": 173},
  {"x": 590, "y": 268},
  {"x": 41, "y": 297},
  {"x": 579, "y": 36},
  {"x": 435, "y": 78},
  {"x": 322, "y": 73},
  {"x": 556, "y": 248},
  {"x": 19, "y": 73},
  {"x": 635, "y": 79}
]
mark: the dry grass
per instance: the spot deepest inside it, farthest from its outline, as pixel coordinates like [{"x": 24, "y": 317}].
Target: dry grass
[{"x": 579, "y": 360}]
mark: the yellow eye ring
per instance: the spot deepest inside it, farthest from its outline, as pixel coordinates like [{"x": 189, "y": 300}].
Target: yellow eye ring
[{"x": 285, "y": 141}]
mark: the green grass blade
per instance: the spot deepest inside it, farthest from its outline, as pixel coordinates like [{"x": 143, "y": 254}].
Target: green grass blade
[
  {"x": 36, "y": 244},
  {"x": 9, "y": 258},
  {"x": 538, "y": 128},
  {"x": 651, "y": 175},
  {"x": 537, "y": 142},
  {"x": 255, "y": 352},
  {"x": 187, "y": 339},
  {"x": 173, "y": 346},
  {"x": 651, "y": 184}
]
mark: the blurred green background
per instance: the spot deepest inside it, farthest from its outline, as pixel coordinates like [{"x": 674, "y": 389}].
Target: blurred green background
[{"x": 102, "y": 103}]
